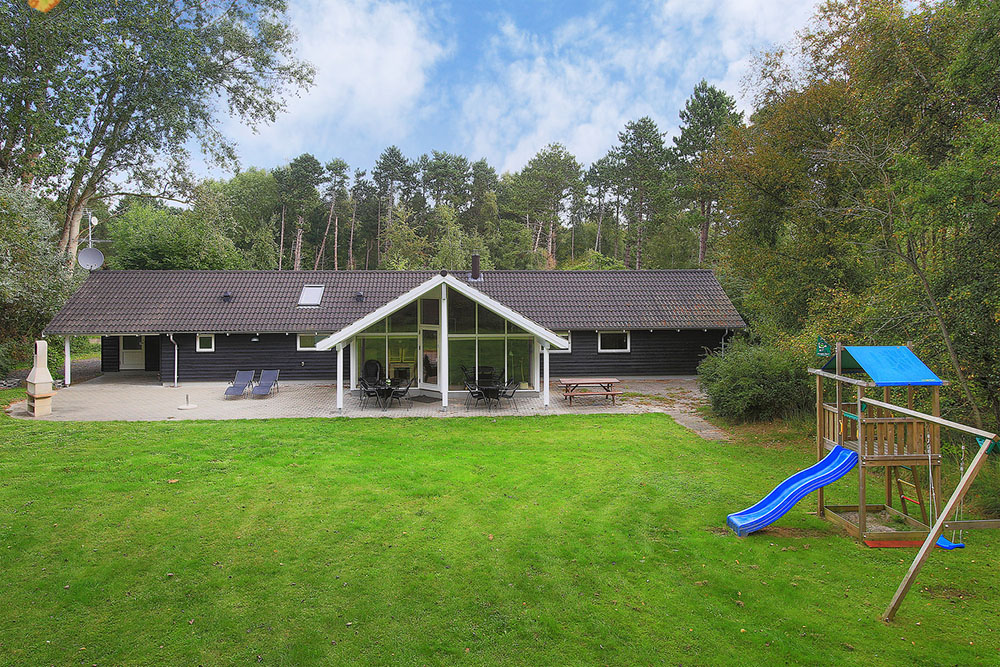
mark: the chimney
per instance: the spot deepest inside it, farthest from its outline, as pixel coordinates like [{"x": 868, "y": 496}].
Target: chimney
[{"x": 476, "y": 273}]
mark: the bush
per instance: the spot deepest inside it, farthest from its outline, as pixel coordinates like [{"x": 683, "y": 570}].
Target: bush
[
  {"x": 987, "y": 489},
  {"x": 756, "y": 383}
]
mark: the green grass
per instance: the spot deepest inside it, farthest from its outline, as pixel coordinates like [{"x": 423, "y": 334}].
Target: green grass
[{"x": 538, "y": 540}]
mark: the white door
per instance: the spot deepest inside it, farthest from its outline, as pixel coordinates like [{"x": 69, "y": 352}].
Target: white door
[{"x": 131, "y": 356}]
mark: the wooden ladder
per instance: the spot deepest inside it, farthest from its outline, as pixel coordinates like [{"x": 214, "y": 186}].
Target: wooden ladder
[{"x": 915, "y": 485}]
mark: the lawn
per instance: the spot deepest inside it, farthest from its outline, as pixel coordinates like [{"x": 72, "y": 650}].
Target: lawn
[{"x": 537, "y": 540}]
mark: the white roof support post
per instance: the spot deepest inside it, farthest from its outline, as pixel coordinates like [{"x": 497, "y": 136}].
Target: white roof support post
[
  {"x": 443, "y": 349},
  {"x": 354, "y": 365},
  {"x": 340, "y": 376},
  {"x": 67, "y": 363},
  {"x": 536, "y": 367},
  {"x": 545, "y": 374}
]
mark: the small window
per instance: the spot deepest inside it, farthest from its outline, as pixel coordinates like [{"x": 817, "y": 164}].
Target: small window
[
  {"x": 206, "y": 343},
  {"x": 614, "y": 341},
  {"x": 569, "y": 339},
  {"x": 307, "y": 342},
  {"x": 311, "y": 296}
]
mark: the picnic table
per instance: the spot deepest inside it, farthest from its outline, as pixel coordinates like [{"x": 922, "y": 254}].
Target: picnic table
[{"x": 595, "y": 386}]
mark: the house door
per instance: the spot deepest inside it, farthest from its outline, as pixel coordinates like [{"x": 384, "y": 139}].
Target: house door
[
  {"x": 131, "y": 356},
  {"x": 428, "y": 359}
]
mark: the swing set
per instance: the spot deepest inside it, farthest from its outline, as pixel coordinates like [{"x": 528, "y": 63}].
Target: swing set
[{"x": 902, "y": 441}]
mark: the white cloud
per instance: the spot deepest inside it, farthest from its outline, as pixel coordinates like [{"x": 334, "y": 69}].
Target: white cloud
[
  {"x": 373, "y": 60},
  {"x": 582, "y": 82}
]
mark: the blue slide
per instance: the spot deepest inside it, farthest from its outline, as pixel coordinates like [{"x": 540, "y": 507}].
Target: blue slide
[{"x": 835, "y": 465}]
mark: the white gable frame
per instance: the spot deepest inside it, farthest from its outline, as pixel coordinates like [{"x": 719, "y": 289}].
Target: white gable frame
[{"x": 487, "y": 302}]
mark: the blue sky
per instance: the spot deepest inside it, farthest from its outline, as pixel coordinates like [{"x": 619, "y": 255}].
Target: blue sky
[{"x": 501, "y": 80}]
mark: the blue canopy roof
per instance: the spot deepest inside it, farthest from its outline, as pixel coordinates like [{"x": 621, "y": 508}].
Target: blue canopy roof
[{"x": 886, "y": 365}]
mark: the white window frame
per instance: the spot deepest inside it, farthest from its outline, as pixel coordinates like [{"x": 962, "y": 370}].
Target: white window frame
[
  {"x": 322, "y": 291},
  {"x": 568, "y": 337},
  {"x": 628, "y": 342},
  {"x": 197, "y": 342},
  {"x": 300, "y": 348}
]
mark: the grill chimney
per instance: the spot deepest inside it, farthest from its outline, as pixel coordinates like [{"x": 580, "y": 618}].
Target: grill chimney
[{"x": 476, "y": 273}]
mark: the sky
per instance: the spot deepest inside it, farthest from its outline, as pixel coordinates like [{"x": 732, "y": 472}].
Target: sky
[{"x": 501, "y": 80}]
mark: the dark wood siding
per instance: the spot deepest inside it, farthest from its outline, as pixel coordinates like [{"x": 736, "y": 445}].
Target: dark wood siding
[
  {"x": 655, "y": 352},
  {"x": 151, "y": 345},
  {"x": 237, "y": 352},
  {"x": 109, "y": 354}
]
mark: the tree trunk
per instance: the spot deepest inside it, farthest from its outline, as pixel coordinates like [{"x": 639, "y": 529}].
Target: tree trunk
[
  {"x": 74, "y": 214},
  {"x": 336, "y": 242},
  {"x": 706, "y": 212},
  {"x": 600, "y": 221},
  {"x": 281, "y": 243},
  {"x": 322, "y": 244},
  {"x": 350, "y": 243},
  {"x": 297, "y": 263}
]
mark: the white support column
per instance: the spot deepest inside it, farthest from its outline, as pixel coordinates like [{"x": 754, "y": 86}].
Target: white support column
[
  {"x": 545, "y": 373},
  {"x": 354, "y": 365},
  {"x": 537, "y": 366},
  {"x": 340, "y": 376},
  {"x": 67, "y": 363},
  {"x": 443, "y": 349}
]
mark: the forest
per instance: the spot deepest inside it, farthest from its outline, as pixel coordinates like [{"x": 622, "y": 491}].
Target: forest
[{"x": 857, "y": 200}]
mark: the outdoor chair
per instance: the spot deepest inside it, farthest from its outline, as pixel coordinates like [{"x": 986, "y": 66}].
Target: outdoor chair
[
  {"x": 368, "y": 392},
  {"x": 401, "y": 392},
  {"x": 372, "y": 372},
  {"x": 508, "y": 392},
  {"x": 240, "y": 384},
  {"x": 267, "y": 384},
  {"x": 470, "y": 377},
  {"x": 477, "y": 394}
]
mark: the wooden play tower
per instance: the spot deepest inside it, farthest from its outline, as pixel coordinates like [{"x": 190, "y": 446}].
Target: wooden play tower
[
  {"x": 863, "y": 418},
  {"x": 903, "y": 441}
]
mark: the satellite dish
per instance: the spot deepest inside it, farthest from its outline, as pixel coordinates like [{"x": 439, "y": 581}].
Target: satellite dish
[{"x": 90, "y": 258}]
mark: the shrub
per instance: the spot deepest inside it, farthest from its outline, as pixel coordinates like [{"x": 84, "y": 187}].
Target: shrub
[
  {"x": 756, "y": 383},
  {"x": 987, "y": 489}
]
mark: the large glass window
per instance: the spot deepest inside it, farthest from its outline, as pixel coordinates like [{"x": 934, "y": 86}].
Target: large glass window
[
  {"x": 519, "y": 353},
  {"x": 461, "y": 313},
  {"x": 430, "y": 312},
  {"x": 372, "y": 359},
  {"x": 402, "y": 358},
  {"x": 461, "y": 352},
  {"x": 490, "y": 322},
  {"x": 404, "y": 320},
  {"x": 491, "y": 358}
]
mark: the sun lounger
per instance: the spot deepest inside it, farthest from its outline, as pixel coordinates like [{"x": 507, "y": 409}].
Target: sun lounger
[
  {"x": 267, "y": 385},
  {"x": 240, "y": 384}
]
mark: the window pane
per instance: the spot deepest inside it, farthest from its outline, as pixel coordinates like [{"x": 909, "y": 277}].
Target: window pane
[
  {"x": 402, "y": 358},
  {"x": 430, "y": 360},
  {"x": 372, "y": 350},
  {"x": 491, "y": 357},
  {"x": 461, "y": 313},
  {"x": 461, "y": 352},
  {"x": 307, "y": 341},
  {"x": 378, "y": 327},
  {"x": 490, "y": 322},
  {"x": 430, "y": 312},
  {"x": 135, "y": 342},
  {"x": 311, "y": 295},
  {"x": 513, "y": 329},
  {"x": 614, "y": 341},
  {"x": 204, "y": 343},
  {"x": 519, "y": 351},
  {"x": 404, "y": 320}
]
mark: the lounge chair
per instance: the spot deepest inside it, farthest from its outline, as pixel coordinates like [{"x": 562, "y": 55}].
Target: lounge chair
[
  {"x": 240, "y": 384},
  {"x": 267, "y": 384},
  {"x": 372, "y": 372}
]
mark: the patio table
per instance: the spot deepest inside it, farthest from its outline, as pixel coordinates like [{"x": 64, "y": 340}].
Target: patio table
[{"x": 603, "y": 386}]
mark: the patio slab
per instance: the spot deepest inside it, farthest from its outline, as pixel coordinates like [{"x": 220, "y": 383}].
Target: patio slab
[{"x": 140, "y": 397}]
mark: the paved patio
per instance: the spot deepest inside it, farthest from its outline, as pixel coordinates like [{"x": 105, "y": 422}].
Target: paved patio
[{"x": 139, "y": 396}]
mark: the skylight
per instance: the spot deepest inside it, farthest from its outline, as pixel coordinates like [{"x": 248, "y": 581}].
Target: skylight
[{"x": 311, "y": 295}]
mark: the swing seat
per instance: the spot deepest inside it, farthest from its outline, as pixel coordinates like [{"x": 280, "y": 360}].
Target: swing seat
[{"x": 945, "y": 543}]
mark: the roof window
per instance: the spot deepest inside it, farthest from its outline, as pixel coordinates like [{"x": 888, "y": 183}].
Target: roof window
[{"x": 311, "y": 295}]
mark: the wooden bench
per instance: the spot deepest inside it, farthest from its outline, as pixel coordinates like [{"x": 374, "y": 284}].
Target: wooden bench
[{"x": 571, "y": 394}]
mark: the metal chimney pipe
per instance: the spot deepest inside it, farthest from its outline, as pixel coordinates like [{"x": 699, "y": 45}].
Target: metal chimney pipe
[{"x": 476, "y": 273}]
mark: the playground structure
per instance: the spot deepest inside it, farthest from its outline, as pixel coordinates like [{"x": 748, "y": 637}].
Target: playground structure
[{"x": 868, "y": 433}]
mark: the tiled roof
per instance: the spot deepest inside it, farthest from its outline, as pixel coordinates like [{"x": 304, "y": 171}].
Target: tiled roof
[{"x": 113, "y": 302}]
